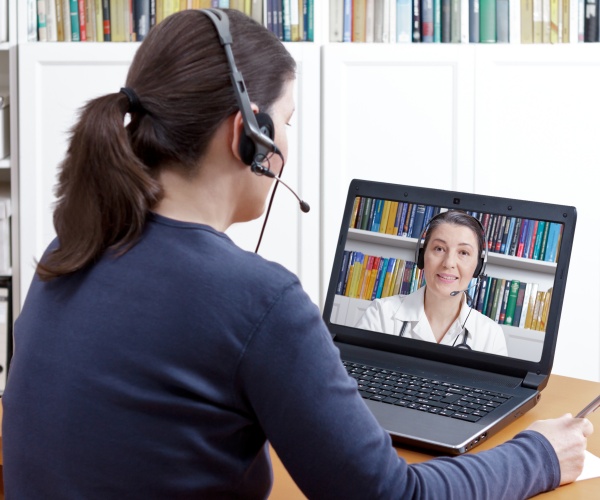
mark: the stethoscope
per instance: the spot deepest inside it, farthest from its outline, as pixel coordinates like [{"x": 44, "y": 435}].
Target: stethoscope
[{"x": 465, "y": 334}]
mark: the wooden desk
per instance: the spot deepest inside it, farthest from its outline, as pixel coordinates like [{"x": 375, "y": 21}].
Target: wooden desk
[{"x": 562, "y": 395}]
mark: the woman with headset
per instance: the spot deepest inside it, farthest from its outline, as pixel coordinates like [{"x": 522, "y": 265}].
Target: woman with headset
[
  {"x": 154, "y": 359},
  {"x": 454, "y": 252}
]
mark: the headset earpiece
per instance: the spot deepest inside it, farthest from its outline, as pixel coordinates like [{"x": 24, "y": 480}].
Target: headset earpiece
[{"x": 248, "y": 146}]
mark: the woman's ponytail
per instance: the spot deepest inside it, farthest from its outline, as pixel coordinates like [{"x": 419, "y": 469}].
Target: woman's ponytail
[{"x": 104, "y": 191}]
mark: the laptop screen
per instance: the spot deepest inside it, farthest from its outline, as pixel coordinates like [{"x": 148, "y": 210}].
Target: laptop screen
[{"x": 512, "y": 302}]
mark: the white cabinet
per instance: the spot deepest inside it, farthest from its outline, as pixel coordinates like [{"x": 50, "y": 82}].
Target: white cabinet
[{"x": 57, "y": 79}]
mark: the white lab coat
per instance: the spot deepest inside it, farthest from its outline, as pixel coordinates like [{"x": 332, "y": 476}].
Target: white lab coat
[{"x": 389, "y": 314}]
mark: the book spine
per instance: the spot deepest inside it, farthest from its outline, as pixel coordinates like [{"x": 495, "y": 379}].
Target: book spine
[
  {"x": 501, "y": 313},
  {"x": 404, "y": 21},
  {"x": 392, "y": 218},
  {"x": 365, "y": 214},
  {"x": 416, "y": 21},
  {"x": 409, "y": 209},
  {"x": 357, "y": 219},
  {"x": 590, "y": 28},
  {"x": 437, "y": 21},
  {"x": 519, "y": 304},
  {"x": 445, "y": 34},
  {"x": 511, "y": 303},
  {"x": 455, "y": 21},
  {"x": 566, "y": 21},
  {"x": 427, "y": 21},
  {"x": 474, "y": 21},
  {"x": 514, "y": 242},
  {"x": 487, "y": 21},
  {"x": 60, "y": 25},
  {"x": 82, "y": 23},
  {"x": 502, "y": 21},
  {"x": 347, "y": 24},
  {"x": 526, "y": 21},
  {"x": 540, "y": 240},
  {"x": 339, "y": 289},
  {"x": 42, "y": 31},
  {"x": 364, "y": 279},
  {"x": 359, "y": 21},
  {"x": 554, "y": 11},
  {"x": 141, "y": 19},
  {"x": 106, "y": 20},
  {"x": 385, "y": 216}
]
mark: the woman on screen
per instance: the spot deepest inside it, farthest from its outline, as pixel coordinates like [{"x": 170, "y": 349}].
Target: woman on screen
[{"x": 454, "y": 252}]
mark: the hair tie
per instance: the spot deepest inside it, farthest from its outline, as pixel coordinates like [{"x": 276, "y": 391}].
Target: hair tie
[{"x": 134, "y": 103}]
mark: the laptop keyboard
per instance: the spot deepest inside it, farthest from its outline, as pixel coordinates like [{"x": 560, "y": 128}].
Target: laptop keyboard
[{"x": 424, "y": 394}]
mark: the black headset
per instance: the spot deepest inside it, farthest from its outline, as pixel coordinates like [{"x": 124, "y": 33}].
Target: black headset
[
  {"x": 420, "y": 250},
  {"x": 256, "y": 141}
]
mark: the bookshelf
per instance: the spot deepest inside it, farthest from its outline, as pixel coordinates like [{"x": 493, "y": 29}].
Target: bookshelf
[
  {"x": 510, "y": 120},
  {"x": 9, "y": 179}
]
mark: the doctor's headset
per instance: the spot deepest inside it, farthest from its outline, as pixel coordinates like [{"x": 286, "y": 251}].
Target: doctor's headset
[{"x": 460, "y": 218}]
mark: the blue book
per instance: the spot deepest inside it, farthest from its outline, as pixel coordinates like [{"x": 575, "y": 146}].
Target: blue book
[
  {"x": 511, "y": 229},
  {"x": 402, "y": 219},
  {"x": 383, "y": 263},
  {"x": 347, "y": 33},
  {"x": 371, "y": 215},
  {"x": 531, "y": 227},
  {"x": 408, "y": 268},
  {"x": 538, "y": 240},
  {"x": 437, "y": 21},
  {"x": 522, "y": 238},
  {"x": 398, "y": 215},
  {"x": 339, "y": 290},
  {"x": 481, "y": 295},
  {"x": 351, "y": 260},
  {"x": 377, "y": 216},
  {"x": 404, "y": 21},
  {"x": 552, "y": 243},
  {"x": 287, "y": 21},
  {"x": 429, "y": 209},
  {"x": 426, "y": 21},
  {"x": 416, "y": 226}
]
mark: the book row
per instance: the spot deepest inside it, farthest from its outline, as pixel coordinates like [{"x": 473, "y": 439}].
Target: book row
[
  {"x": 460, "y": 21},
  {"x": 517, "y": 237},
  {"x": 130, "y": 20},
  {"x": 514, "y": 236},
  {"x": 513, "y": 302},
  {"x": 391, "y": 217},
  {"x": 369, "y": 277},
  {"x": 507, "y": 302}
]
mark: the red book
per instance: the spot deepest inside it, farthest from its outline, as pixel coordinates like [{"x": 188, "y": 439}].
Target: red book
[{"x": 82, "y": 31}]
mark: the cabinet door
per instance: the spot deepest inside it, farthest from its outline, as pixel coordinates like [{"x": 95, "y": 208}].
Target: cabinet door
[
  {"x": 56, "y": 80},
  {"x": 536, "y": 111},
  {"x": 393, "y": 113}
]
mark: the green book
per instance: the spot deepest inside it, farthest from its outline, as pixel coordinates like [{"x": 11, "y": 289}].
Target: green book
[
  {"x": 511, "y": 303},
  {"x": 498, "y": 295},
  {"x": 487, "y": 21},
  {"x": 538, "y": 239},
  {"x": 74, "y": 12}
]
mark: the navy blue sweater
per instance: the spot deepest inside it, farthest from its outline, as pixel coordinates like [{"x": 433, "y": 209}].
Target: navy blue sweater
[{"x": 162, "y": 373}]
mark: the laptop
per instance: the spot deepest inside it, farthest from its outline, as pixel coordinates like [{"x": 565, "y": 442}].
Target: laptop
[{"x": 433, "y": 396}]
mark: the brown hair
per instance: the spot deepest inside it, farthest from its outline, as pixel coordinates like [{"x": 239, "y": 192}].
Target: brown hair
[
  {"x": 107, "y": 182},
  {"x": 458, "y": 218}
]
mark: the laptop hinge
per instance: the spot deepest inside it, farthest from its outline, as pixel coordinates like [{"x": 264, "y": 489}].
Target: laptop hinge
[{"x": 533, "y": 380}]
